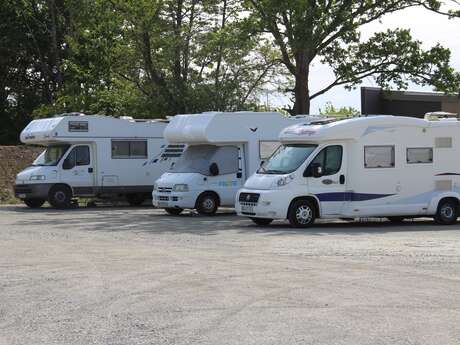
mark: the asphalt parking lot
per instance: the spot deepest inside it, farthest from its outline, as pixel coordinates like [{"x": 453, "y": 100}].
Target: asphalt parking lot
[{"x": 137, "y": 276}]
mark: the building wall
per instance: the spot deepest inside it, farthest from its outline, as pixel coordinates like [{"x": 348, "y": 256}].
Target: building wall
[{"x": 406, "y": 103}]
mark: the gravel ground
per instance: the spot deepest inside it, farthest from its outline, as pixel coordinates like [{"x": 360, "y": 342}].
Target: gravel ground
[{"x": 137, "y": 276}]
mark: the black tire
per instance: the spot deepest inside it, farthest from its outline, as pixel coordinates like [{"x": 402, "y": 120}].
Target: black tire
[
  {"x": 207, "y": 204},
  {"x": 174, "y": 211},
  {"x": 34, "y": 203},
  {"x": 135, "y": 199},
  {"x": 262, "y": 221},
  {"x": 301, "y": 214},
  {"x": 60, "y": 196},
  {"x": 447, "y": 212},
  {"x": 396, "y": 219}
]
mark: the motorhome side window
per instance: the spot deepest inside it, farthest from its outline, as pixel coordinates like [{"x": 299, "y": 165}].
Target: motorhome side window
[
  {"x": 330, "y": 158},
  {"x": 78, "y": 126},
  {"x": 122, "y": 149},
  {"x": 419, "y": 155},
  {"x": 379, "y": 156}
]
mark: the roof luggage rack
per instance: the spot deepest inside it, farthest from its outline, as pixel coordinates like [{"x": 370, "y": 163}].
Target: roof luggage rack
[{"x": 441, "y": 115}]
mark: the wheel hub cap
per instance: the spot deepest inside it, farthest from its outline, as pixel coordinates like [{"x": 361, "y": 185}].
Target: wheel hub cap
[
  {"x": 447, "y": 211},
  {"x": 208, "y": 204},
  {"x": 304, "y": 214},
  {"x": 59, "y": 196}
]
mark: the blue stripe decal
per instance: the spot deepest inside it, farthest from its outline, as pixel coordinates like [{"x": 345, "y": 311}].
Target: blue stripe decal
[{"x": 348, "y": 196}]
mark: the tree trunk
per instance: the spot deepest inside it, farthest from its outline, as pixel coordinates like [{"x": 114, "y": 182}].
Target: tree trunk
[{"x": 301, "y": 91}]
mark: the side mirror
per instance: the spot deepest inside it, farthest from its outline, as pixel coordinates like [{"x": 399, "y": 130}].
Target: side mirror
[
  {"x": 262, "y": 163},
  {"x": 68, "y": 164},
  {"x": 214, "y": 169},
  {"x": 317, "y": 170},
  {"x": 313, "y": 170}
]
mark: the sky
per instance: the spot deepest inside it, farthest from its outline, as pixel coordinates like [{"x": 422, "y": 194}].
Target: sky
[{"x": 426, "y": 26}]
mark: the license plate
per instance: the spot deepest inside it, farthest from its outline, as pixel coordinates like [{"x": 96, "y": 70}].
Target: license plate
[
  {"x": 247, "y": 208},
  {"x": 21, "y": 196},
  {"x": 163, "y": 204}
]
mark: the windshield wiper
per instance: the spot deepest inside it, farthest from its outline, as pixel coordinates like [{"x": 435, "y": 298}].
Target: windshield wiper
[{"x": 275, "y": 172}]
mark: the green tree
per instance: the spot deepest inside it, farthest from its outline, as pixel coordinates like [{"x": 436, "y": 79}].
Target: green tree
[
  {"x": 330, "y": 109},
  {"x": 156, "y": 58},
  {"x": 328, "y": 31},
  {"x": 31, "y": 52}
]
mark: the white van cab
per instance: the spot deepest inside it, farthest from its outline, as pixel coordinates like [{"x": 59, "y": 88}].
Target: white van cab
[
  {"x": 223, "y": 149},
  {"x": 379, "y": 166},
  {"x": 92, "y": 156}
]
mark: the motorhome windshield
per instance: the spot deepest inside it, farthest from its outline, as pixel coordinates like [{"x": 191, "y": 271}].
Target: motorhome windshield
[
  {"x": 198, "y": 158},
  {"x": 51, "y": 156},
  {"x": 287, "y": 159}
]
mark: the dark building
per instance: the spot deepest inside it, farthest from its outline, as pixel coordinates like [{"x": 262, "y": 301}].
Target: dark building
[{"x": 374, "y": 100}]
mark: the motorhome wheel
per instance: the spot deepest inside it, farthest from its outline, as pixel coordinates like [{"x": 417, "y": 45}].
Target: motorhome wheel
[
  {"x": 207, "y": 204},
  {"x": 34, "y": 203},
  {"x": 301, "y": 214},
  {"x": 174, "y": 211},
  {"x": 447, "y": 212},
  {"x": 262, "y": 221},
  {"x": 60, "y": 197}
]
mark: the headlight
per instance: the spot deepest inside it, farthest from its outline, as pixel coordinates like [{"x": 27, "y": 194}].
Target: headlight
[
  {"x": 180, "y": 188},
  {"x": 154, "y": 186},
  {"x": 282, "y": 181},
  {"x": 37, "y": 178}
]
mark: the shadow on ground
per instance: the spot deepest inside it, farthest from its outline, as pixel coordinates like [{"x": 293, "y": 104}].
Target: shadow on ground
[{"x": 149, "y": 220}]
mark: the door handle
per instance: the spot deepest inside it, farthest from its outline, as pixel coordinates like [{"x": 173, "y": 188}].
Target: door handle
[
  {"x": 90, "y": 170},
  {"x": 342, "y": 179}
]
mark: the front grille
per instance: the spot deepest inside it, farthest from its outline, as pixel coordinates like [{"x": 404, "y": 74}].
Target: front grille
[
  {"x": 164, "y": 189},
  {"x": 244, "y": 203},
  {"x": 163, "y": 198},
  {"x": 22, "y": 189},
  {"x": 249, "y": 197}
]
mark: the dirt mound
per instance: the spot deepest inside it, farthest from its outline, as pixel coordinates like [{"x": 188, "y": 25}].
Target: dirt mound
[{"x": 12, "y": 160}]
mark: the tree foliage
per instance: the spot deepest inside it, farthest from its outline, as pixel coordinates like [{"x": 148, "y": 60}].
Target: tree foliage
[
  {"x": 329, "y": 31},
  {"x": 331, "y": 110},
  {"x": 153, "y": 58}
]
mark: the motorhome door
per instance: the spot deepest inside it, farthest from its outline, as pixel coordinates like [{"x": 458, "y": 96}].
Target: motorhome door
[
  {"x": 77, "y": 169},
  {"x": 326, "y": 178}
]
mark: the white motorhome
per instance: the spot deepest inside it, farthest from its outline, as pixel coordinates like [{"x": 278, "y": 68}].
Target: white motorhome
[
  {"x": 223, "y": 149},
  {"x": 379, "y": 166},
  {"x": 92, "y": 156}
]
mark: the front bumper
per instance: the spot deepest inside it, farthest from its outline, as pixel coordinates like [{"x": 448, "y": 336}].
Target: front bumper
[
  {"x": 174, "y": 199},
  {"x": 32, "y": 190},
  {"x": 271, "y": 204}
]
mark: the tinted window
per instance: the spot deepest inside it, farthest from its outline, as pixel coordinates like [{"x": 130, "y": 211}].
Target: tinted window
[
  {"x": 82, "y": 155},
  {"x": 78, "y": 126},
  {"x": 138, "y": 149},
  {"x": 330, "y": 159},
  {"x": 129, "y": 148}
]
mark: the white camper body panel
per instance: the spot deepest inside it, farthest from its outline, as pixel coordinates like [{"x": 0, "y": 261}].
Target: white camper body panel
[
  {"x": 112, "y": 167},
  {"x": 391, "y": 166},
  {"x": 250, "y": 132}
]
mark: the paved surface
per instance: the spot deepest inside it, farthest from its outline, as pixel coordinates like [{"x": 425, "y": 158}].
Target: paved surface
[{"x": 137, "y": 276}]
